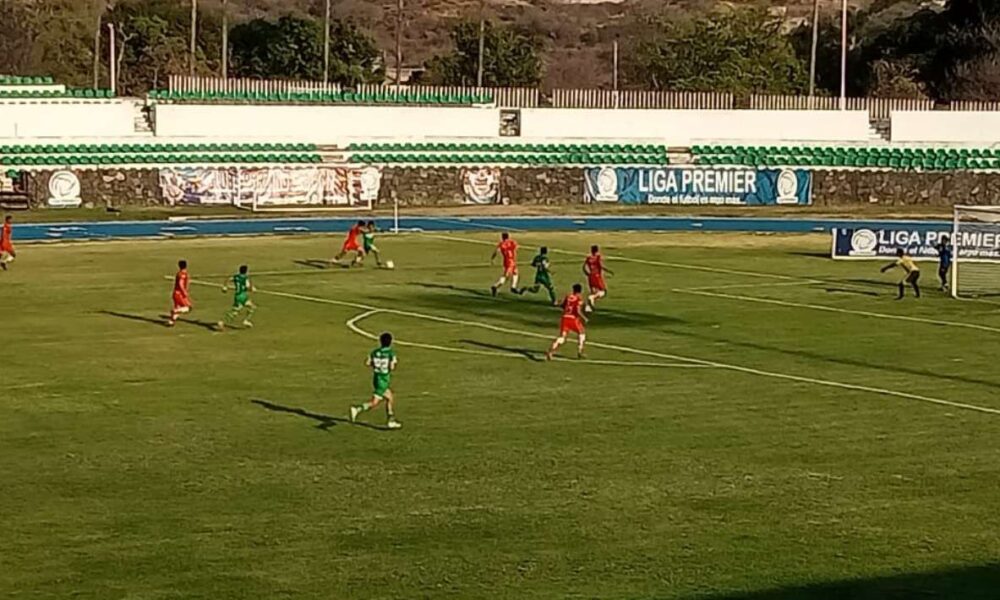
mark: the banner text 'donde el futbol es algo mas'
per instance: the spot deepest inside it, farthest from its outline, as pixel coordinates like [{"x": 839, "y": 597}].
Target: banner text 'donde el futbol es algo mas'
[
  {"x": 865, "y": 243},
  {"x": 696, "y": 185}
]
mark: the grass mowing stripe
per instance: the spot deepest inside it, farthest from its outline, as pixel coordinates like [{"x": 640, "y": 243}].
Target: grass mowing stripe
[
  {"x": 848, "y": 311},
  {"x": 352, "y": 324},
  {"x": 650, "y": 353}
]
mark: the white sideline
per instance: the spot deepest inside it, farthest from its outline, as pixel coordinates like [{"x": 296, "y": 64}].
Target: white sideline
[
  {"x": 823, "y": 307},
  {"x": 352, "y": 324},
  {"x": 703, "y": 291},
  {"x": 662, "y": 355}
]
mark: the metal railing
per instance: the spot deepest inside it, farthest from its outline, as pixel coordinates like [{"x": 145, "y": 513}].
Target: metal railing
[
  {"x": 502, "y": 97},
  {"x": 184, "y": 83}
]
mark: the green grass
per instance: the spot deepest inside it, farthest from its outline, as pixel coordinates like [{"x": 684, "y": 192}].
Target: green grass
[{"x": 142, "y": 462}]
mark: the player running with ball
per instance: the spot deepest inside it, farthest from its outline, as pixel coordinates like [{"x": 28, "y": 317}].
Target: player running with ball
[
  {"x": 382, "y": 361},
  {"x": 543, "y": 277},
  {"x": 572, "y": 321},
  {"x": 507, "y": 248},
  {"x": 351, "y": 244},
  {"x": 594, "y": 269},
  {"x": 242, "y": 287}
]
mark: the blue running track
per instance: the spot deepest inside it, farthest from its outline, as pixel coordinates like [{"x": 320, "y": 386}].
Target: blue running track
[{"x": 221, "y": 227}]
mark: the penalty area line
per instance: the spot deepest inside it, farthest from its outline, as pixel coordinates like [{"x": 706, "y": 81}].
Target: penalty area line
[
  {"x": 834, "y": 309},
  {"x": 650, "y": 353},
  {"x": 352, "y": 324}
]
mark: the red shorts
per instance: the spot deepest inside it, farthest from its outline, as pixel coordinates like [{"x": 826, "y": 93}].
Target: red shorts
[
  {"x": 350, "y": 245},
  {"x": 597, "y": 284},
  {"x": 181, "y": 301},
  {"x": 7, "y": 247},
  {"x": 509, "y": 270},
  {"x": 570, "y": 324}
]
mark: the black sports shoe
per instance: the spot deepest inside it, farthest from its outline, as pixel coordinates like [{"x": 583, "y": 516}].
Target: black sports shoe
[{"x": 493, "y": 290}]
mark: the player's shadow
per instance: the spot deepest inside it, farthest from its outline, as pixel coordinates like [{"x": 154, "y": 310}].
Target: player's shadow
[
  {"x": 532, "y": 310},
  {"x": 531, "y": 355},
  {"x": 313, "y": 263},
  {"x": 324, "y": 422},
  {"x": 162, "y": 322},
  {"x": 478, "y": 294}
]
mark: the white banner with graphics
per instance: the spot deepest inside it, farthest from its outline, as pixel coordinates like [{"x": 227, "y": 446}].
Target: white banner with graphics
[
  {"x": 266, "y": 186},
  {"x": 481, "y": 185},
  {"x": 64, "y": 190}
]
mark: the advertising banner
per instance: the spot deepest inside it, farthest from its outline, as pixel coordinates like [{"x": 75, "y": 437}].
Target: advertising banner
[
  {"x": 306, "y": 186},
  {"x": 481, "y": 185},
  {"x": 698, "y": 186},
  {"x": 880, "y": 243}
]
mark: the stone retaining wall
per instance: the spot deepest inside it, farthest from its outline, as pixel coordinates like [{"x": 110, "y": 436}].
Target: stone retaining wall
[{"x": 446, "y": 186}]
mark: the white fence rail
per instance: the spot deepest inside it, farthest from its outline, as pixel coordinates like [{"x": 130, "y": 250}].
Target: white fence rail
[
  {"x": 584, "y": 98},
  {"x": 502, "y": 97},
  {"x": 183, "y": 83}
]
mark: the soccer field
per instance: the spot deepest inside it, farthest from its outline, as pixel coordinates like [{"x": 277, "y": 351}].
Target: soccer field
[{"x": 753, "y": 422}]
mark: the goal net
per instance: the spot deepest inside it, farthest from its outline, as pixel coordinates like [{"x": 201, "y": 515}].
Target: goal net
[
  {"x": 976, "y": 250},
  {"x": 310, "y": 189}
]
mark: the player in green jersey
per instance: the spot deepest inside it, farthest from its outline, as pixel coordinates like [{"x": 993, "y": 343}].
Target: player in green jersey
[
  {"x": 382, "y": 361},
  {"x": 543, "y": 276},
  {"x": 241, "y": 298},
  {"x": 368, "y": 242}
]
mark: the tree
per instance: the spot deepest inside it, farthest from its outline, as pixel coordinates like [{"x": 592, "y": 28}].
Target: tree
[
  {"x": 740, "y": 51},
  {"x": 152, "y": 43},
  {"x": 292, "y": 48},
  {"x": 510, "y": 57},
  {"x": 17, "y": 36}
]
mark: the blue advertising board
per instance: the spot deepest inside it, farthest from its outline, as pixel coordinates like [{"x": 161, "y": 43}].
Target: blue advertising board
[
  {"x": 698, "y": 186},
  {"x": 919, "y": 241}
]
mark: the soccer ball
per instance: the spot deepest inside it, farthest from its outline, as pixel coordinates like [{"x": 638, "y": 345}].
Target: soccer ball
[{"x": 390, "y": 265}]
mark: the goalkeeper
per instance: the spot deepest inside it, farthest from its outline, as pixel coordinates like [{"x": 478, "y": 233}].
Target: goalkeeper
[
  {"x": 543, "y": 276},
  {"x": 911, "y": 272}
]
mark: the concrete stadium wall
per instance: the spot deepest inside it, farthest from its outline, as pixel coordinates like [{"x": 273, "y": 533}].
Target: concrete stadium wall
[
  {"x": 67, "y": 120},
  {"x": 682, "y": 127},
  {"x": 979, "y": 127},
  {"x": 324, "y": 124},
  {"x": 444, "y": 186}
]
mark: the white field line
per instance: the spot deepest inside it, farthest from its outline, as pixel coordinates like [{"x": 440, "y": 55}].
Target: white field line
[
  {"x": 655, "y": 263},
  {"x": 754, "y": 285},
  {"x": 792, "y": 281},
  {"x": 352, "y": 324},
  {"x": 833, "y": 309},
  {"x": 469, "y": 223},
  {"x": 650, "y": 353}
]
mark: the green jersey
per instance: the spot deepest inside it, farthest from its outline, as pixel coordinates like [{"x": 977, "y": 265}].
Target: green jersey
[
  {"x": 382, "y": 360},
  {"x": 368, "y": 239},
  {"x": 541, "y": 264},
  {"x": 241, "y": 289}
]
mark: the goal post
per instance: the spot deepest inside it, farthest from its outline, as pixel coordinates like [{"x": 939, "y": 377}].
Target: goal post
[{"x": 975, "y": 241}]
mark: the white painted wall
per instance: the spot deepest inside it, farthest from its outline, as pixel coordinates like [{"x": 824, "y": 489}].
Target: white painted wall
[
  {"x": 682, "y": 127},
  {"x": 67, "y": 119},
  {"x": 325, "y": 124},
  {"x": 958, "y": 127}
]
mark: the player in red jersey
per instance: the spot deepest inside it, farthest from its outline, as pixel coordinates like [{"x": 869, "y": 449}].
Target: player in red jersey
[
  {"x": 572, "y": 321},
  {"x": 181, "y": 297},
  {"x": 7, "y": 253},
  {"x": 351, "y": 244},
  {"x": 594, "y": 269},
  {"x": 507, "y": 248}
]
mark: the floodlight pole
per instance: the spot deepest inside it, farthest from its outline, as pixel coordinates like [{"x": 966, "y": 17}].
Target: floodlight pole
[
  {"x": 112, "y": 63},
  {"x": 326, "y": 44},
  {"x": 812, "y": 53},
  {"x": 482, "y": 42},
  {"x": 194, "y": 36},
  {"x": 225, "y": 39},
  {"x": 399, "y": 42},
  {"x": 843, "y": 55}
]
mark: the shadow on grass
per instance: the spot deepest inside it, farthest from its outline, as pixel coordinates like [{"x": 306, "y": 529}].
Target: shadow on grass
[
  {"x": 531, "y": 355},
  {"x": 313, "y": 263},
  {"x": 811, "y": 355},
  {"x": 531, "y": 311},
  {"x": 162, "y": 321},
  {"x": 324, "y": 422},
  {"x": 967, "y": 583}
]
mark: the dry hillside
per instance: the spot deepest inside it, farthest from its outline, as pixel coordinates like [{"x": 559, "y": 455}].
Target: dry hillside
[{"x": 578, "y": 33}]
